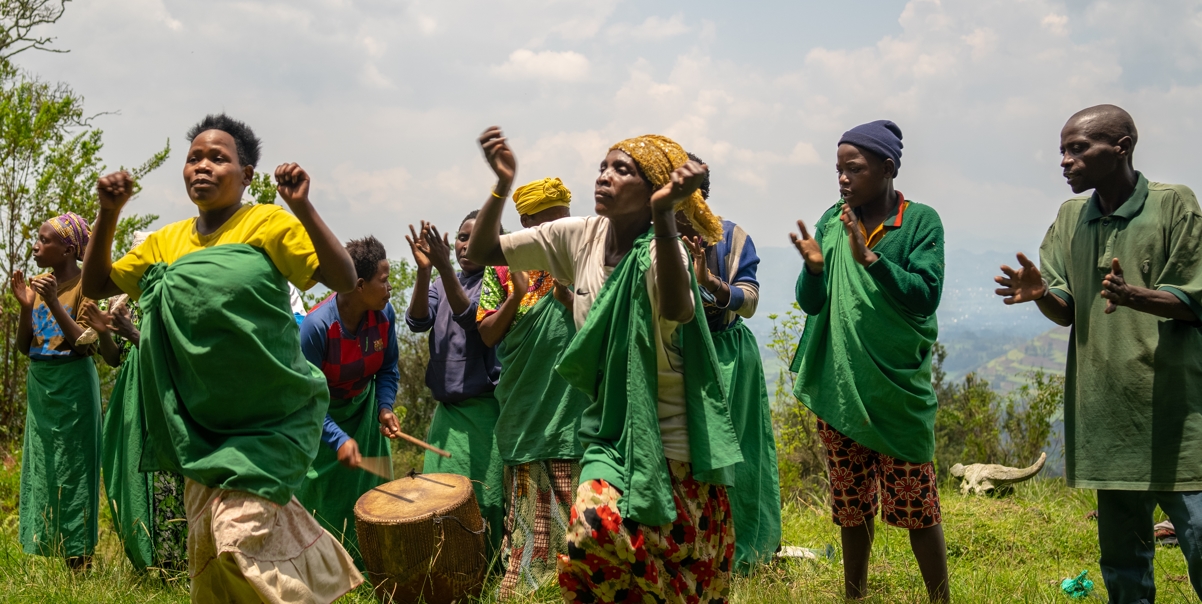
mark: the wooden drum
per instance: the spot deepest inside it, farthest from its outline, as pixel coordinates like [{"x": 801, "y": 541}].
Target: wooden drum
[{"x": 422, "y": 537}]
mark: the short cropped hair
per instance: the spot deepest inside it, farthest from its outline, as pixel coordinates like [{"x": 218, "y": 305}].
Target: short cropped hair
[
  {"x": 247, "y": 144},
  {"x": 366, "y": 254},
  {"x": 705, "y": 182}
]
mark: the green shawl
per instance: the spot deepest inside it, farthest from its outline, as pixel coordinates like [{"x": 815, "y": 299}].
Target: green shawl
[
  {"x": 230, "y": 400},
  {"x": 864, "y": 361},
  {"x": 612, "y": 359},
  {"x": 129, "y": 491},
  {"x": 540, "y": 412}
]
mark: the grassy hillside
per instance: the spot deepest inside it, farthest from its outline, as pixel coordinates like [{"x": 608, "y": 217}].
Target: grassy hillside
[
  {"x": 1047, "y": 351},
  {"x": 1012, "y": 549}
]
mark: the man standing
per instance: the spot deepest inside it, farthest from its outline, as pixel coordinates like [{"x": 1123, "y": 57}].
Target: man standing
[{"x": 1123, "y": 267}]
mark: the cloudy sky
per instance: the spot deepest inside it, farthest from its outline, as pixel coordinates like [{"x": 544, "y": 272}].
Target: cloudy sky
[{"x": 381, "y": 100}]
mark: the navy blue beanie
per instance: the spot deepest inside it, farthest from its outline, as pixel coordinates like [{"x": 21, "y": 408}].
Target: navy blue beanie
[{"x": 882, "y": 137}]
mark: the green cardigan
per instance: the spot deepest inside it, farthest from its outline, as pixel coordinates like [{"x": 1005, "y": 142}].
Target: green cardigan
[{"x": 864, "y": 360}]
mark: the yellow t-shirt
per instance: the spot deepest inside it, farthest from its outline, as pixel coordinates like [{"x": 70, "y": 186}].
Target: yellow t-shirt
[{"x": 267, "y": 227}]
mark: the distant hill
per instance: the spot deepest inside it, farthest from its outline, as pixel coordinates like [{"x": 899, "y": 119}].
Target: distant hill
[{"x": 1047, "y": 351}]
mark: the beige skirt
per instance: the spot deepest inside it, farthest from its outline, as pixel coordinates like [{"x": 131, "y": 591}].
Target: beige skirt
[{"x": 243, "y": 548}]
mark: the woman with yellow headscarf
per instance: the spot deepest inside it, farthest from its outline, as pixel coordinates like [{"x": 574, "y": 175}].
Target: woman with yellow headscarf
[
  {"x": 659, "y": 446},
  {"x": 528, "y": 317}
]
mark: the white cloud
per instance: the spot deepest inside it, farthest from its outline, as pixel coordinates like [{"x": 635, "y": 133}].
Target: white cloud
[
  {"x": 547, "y": 65},
  {"x": 653, "y": 28},
  {"x": 1057, "y": 24}
]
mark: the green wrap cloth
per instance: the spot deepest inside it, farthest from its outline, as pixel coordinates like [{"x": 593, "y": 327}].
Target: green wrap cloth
[
  {"x": 60, "y": 465},
  {"x": 467, "y": 430},
  {"x": 612, "y": 359},
  {"x": 864, "y": 361},
  {"x": 230, "y": 400},
  {"x": 331, "y": 496},
  {"x": 540, "y": 412},
  {"x": 129, "y": 491},
  {"x": 755, "y": 500}
]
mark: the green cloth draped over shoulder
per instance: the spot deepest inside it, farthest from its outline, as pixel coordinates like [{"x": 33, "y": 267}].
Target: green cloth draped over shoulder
[
  {"x": 60, "y": 463},
  {"x": 129, "y": 490},
  {"x": 331, "y": 496},
  {"x": 755, "y": 500},
  {"x": 864, "y": 361},
  {"x": 540, "y": 412},
  {"x": 230, "y": 400},
  {"x": 613, "y": 360}
]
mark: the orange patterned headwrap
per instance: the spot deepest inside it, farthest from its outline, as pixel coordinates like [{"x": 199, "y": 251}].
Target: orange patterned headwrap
[{"x": 657, "y": 156}]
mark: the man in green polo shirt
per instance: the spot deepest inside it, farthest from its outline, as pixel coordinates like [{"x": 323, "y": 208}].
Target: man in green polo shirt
[{"x": 1123, "y": 267}]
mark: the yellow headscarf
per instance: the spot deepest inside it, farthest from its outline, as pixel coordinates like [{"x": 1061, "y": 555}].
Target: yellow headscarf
[
  {"x": 534, "y": 197},
  {"x": 657, "y": 156}
]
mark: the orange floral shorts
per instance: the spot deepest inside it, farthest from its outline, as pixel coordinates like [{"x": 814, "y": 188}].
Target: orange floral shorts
[{"x": 908, "y": 496}]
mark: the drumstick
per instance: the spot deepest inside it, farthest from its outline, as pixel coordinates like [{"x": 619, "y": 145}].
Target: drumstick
[
  {"x": 379, "y": 466},
  {"x": 423, "y": 444}
]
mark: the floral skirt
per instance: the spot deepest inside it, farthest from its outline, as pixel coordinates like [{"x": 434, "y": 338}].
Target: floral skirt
[
  {"x": 540, "y": 495},
  {"x": 614, "y": 560}
]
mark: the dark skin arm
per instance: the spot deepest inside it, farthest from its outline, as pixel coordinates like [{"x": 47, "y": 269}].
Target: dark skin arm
[
  {"x": 114, "y": 191},
  {"x": 1118, "y": 292},
  {"x": 25, "y": 299},
  {"x": 335, "y": 268},
  {"x": 675, "y": 299},
  {"x": 440, "y": 254},
  {"x": 100, "y": 321},
  {"x": 1026, "y": 284},
  {"x": 485, "y": 247},
  {"x": 419, "y": 300},
  {"x": 494, "y": 327}
]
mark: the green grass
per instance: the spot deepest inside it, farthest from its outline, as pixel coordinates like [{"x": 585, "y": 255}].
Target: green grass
[{"x": 1011, "y": 549}]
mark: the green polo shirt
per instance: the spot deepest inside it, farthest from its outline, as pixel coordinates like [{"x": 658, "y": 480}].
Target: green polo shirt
[{"x": 1133, "y": 389}]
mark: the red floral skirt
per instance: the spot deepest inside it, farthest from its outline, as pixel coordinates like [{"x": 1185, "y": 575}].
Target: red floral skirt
[{"x": 615, "y": 560}]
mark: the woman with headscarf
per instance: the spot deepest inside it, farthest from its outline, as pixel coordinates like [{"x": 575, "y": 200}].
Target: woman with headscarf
[
  {"x": 651, "y": 517},
  {"x": 60, "y": 463},
  {"x": 726, "y": 275},
  {"x": 540, "y": 413},
  {"x": 870, "y": 287},
  {"x": 147, "y": 507}
]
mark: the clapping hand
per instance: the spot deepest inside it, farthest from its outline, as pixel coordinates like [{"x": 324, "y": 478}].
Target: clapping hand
[
  {"x": 419, "y": 247},
  {"x": 855, "y": 237},
  {"x": 809, "y": 249},
  {"x": 46, "y": 286},
  {"x": 24, "y": 293},
  {"x": 499, "y": 156},
  {"x": 1024, "y": 284},
  {"x": 439, "y": 246},
  {"x": 1115, "y": 288},
  {"x": 98, "y": 320}
]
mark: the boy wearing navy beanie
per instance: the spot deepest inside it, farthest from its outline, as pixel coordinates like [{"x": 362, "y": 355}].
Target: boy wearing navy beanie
[{"x": 871, "y": 284}]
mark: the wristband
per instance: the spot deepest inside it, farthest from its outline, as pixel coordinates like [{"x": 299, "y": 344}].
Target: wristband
[
  {"x": 494, "y": 194},
  {"x": 1046, "y": 290}
]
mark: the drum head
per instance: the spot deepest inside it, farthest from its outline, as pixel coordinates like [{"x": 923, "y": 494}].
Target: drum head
[{"x": 413, "y": 499}]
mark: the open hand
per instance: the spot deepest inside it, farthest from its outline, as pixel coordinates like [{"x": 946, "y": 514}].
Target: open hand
[
  {"x": 684, "y": 181},
  {"x": 417, "y": 245},
  {"x": 348, "y": 454},
  {"x": 46, "y": 286},
  {"x": 97, "y": 319},
  {"x": 390, "y": 426},
  {"x": 855, "y": 237},
  {"x": 292, "y": 182},
  {"x": 1023, "y": 284},
  {"x": 1115, "y": 288},
  {"x": 499, "y": 156},
  {"x": 809, "y": 249},
  {"x": 114, "y": 190},
  {"x": 439, "y": 246},
  {"x": 696, "y": 247},
  {"x": 23, "y": 292}
]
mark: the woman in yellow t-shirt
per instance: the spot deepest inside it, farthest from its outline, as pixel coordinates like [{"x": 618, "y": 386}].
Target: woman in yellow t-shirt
[{"x": 216, "y": 322}]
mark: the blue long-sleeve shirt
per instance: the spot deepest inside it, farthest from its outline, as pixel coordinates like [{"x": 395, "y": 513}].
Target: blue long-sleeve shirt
[
  {"x": 350, "y": 360},
  {"x": 461, "y": 366}
]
